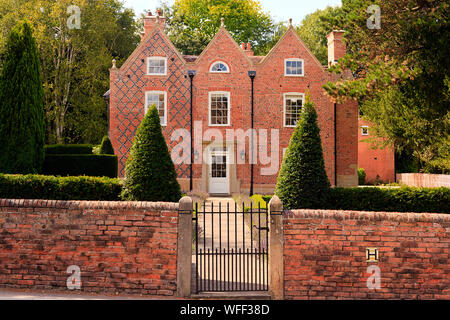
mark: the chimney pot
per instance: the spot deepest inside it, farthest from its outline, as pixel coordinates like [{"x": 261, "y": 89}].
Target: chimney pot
[
  {"x": 243, "y": 46},
  {"x": 249, "y": 47},
  {"x": 159, "y": 12}
]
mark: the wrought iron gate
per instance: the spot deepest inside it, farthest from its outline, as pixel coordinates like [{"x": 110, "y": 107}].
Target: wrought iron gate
[{"x": 231, "y": 248}]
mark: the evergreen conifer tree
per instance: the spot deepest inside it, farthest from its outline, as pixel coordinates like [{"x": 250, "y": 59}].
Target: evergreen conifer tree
[
  {"x": 22, "y": 126},
  {"x": 150, "y": 172},
  {"x": 302, "y": 180}
]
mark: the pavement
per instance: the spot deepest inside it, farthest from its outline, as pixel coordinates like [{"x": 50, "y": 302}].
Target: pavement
[{"x": 19, "y": 294}]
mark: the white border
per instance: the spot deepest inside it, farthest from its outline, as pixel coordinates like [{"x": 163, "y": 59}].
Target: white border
[
  {"x": 216, "y": 62},
  {"x": 165, "y": 104},
  {"x": 227, "y": 93},
  {"x": 294, "y": 75},
  {"x": 284, "y": 105},
  {"x": 157, "y": 58}
]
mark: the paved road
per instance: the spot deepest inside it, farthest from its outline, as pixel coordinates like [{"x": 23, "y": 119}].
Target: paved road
[{"x": 13, "y": 294}]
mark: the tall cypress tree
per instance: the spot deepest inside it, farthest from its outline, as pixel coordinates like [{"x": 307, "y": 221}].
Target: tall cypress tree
[
  {"x": 302, "y": 181},
  {"x": 22, "y": 127},
  {"x": 150, "y": 172}
]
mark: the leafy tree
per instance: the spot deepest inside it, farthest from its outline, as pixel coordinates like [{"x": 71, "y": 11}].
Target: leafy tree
[
  {"x": 313, "y": 31},
  {"x": 191, "y": 24},
  {"x": 401, "y": 73},
  {"x": 75, "y": 62},
  {"x": 106, "y": 146},
  {"x": 22, "y": 128},
  {"x": 302, "y": 181},
  {"x": 150, "y": 172}
]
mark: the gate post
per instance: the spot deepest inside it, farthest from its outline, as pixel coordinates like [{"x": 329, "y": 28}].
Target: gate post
[
  {"x": 184, "y": 258},
  {"x": 276, "y": 262}
]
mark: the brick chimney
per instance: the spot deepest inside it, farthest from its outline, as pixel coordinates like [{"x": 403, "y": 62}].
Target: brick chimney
[
  {"x": 151, "y": 21},
  {"x": 248, "y": 51},
  {"x": 336, "y": 46}
]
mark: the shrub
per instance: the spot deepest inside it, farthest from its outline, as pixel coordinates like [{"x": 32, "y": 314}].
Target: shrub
[
  {"x": 59, "y": 188},
  {"x": 150, "y": 172},
  {"x": 302, "y": 181},
  {"x": 69, "y": 149},
  {"x": 22, "y": 126},
  {"x": 81, "y": 164},
  {"x": 404, "y": 199},
  {"x": 106, "y": 146},
  {"x": 361, "y": 176}
]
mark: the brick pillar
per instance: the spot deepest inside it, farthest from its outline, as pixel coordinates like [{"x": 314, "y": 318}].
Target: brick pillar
[
  {"x": 276, "y": 272},
  {"x": 184, "y": 254}
]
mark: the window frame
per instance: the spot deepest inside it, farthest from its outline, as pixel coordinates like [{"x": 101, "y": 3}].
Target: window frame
[
  {"x": 165, "y": 104},
  {"x": 216, "y": 62},
  {"x": 362, "y": 130},
  {"x": 284, "y": 106},
  {"x": 156, "y": 58},
  {"x": 294, "y": 75},
  {"x": 228, "y": 94}
]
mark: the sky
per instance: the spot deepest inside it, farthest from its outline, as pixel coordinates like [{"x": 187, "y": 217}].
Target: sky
[{"x": 280, "y": 10}]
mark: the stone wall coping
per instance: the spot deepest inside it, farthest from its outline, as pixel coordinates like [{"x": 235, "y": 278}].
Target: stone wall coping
[
  {"x": 83, "y": 204},
  {"x": 366, "y": 215}
]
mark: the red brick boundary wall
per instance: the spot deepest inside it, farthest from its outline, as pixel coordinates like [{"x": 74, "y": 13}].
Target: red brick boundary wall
[
  {"x": 125, "y": 247},
  {"x": 325, "y": 257}
]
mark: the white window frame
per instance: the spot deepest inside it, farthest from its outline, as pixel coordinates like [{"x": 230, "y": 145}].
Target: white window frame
[
  {"x": 362, "y": 130},
  {"x": 284, "y": 105},
  {"x": 227, "y": 93},
  {"x": 216, "y": 62},
  {"x": 294, "y": 75},
  {"x": 165, "y": 104},
  {"x": 156, "y": 58}
]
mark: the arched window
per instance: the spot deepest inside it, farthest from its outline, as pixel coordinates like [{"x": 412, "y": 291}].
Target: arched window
[{"x": 219, "y": 67}]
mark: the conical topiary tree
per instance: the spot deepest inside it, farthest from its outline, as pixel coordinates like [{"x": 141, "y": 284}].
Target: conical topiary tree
[
  {"x": 106, "y": 146},
  {"x": 22, "y": 126},
  {"x": 150, "y": 172},
  {"x": 302, "y": 180}
]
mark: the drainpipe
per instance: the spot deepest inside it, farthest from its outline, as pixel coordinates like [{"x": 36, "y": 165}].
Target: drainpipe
[
  {"x": 335, "y": 147},
  {"x": 252, "y": 75},
  {"x": 191, "y": 74}
]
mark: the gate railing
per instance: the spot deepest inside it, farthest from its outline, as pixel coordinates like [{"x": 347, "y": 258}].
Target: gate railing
[{"x": 231, "y": 247}]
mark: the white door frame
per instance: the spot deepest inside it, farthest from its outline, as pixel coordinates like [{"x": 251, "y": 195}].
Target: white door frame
[{"x": 219, "y": 185}]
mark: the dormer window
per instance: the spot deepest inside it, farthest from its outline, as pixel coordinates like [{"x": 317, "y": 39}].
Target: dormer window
[
  {"x": 156, "y": 66},
  {"x": 219, "y": 67},
  {"x": 293, "y": 67}
]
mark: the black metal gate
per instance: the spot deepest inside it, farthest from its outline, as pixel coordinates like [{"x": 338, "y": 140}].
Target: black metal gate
[{"x": 231, "y": 247}]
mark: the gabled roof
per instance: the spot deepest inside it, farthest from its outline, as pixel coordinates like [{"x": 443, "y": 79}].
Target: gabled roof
[
  {"x": 224, "y": 31},
  {"x": 282, "y": 39},
  {"x": 143, "y": 42}
]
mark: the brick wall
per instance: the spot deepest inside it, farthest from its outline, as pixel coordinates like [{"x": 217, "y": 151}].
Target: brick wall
[
  {"x": 376, "y": 161},
  {"x": 325, "y": 258},
  {"x": 121, "y": 247}
]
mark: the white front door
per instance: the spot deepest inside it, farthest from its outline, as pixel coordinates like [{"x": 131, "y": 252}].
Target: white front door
[{"x": 219, "y": 182}]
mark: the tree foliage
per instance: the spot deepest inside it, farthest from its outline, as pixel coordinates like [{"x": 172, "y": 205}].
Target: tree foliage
[
  {"x": 314, "y": 29},
  {"x": 150, "y": 172},
  {"x": 302, "y": 180},
  {"x": 191, "y": 24},
  {"x": 75, "y": 62},
  {"x": 401, "y": 73},
  {"x": 21, "y": 105}
]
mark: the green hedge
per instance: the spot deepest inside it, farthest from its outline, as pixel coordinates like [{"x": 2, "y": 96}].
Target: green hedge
[
  {"x": 59, "y": 188},
  {"x": 404, "y": 199},
  {"x": 69, "y": 149},
  {"x": 80, "y": 164}
]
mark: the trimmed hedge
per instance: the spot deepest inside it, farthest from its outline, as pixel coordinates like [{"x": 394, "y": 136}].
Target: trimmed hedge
[
  {"x": 404, "y": 199},
  {"x": 68, "y": 149},
  {"x": 94, "y": 165},
  {"x": 59, "y": 188}
]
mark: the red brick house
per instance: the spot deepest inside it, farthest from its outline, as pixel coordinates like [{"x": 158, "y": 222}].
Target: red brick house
[
  {"x": 228, "y": 88},
  {"x": 377, "y": 161}
]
